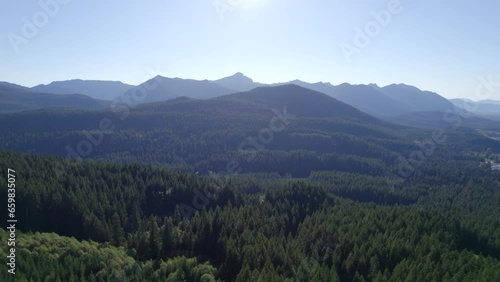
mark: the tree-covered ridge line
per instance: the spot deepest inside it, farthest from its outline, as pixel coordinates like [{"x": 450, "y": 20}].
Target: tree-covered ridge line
[
  {"x": 443, "y": 224},
  {"x": 206, "y": 135}
]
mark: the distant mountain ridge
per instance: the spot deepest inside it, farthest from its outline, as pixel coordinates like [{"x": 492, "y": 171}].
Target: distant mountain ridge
[
  {"x": 14, "y": 98},
  {"x": 162, "y": 88},
  {"x": 368, "y": 99},
  {"x": 238, "y": 82},
  {"x": 391, "y": 100},
  {"x": 301, "y": 101},
  {"x": 384, "y": 102},
  {"x": 98, "y": 89},
  {"x": 484, "y": 107},
  {"x": 14, "y": 86},
  {"x": 417, "y": 99}
]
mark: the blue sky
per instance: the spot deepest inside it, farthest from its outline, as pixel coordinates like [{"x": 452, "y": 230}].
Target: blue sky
[{"x": 439, "y": 46}]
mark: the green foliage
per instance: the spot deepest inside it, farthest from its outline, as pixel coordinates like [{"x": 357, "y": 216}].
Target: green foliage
[
  {"x": 440, "y": 225},
  {"x": 50, "y": 257}
]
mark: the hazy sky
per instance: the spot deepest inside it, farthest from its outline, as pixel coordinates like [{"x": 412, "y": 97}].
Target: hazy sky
[{"x": 443, "y": 46}]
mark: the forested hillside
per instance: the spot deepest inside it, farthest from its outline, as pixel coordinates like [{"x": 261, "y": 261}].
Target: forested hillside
[
  {"x": 285, "y": 129},
  {"x": 151, "y": 224}
]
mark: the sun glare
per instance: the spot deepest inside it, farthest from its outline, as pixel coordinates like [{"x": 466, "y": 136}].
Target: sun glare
[{"x": 254, "y": 4}]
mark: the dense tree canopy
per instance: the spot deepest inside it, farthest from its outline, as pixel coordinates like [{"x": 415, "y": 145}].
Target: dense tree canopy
[{"x": 147, "y": 223}]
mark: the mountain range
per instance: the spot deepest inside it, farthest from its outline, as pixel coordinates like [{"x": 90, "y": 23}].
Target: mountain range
[
  {"x": 162, "y": 88},
  {"x": 17, "y": 98},
  {"x": 389, "y": 102},
  {"x": 98, "y": 89},
  {"x": 488, "y": 108},
  {"x": 385, "y": 101}
]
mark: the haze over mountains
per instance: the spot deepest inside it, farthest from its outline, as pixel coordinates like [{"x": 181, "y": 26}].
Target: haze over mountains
[
  {"x": 484, "y": 107},
  {"x": 17, "y": 98},
  {"x": 390, "y": 100},
  {"x": 302, "y": 101},
  {"x": 162, "y": 88},
  {"x": 395, "y": 102},
  {"x": 103, "y": 90}
]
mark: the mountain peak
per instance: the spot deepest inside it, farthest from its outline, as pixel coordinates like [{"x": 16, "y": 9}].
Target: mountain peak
[
  {"x": 238, "y": 82},
  {"x": 403, "y": 86},
  {"x": 239, "y": 74}
]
